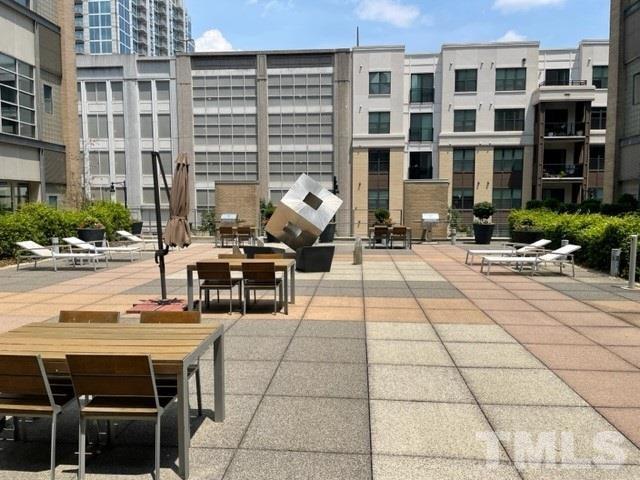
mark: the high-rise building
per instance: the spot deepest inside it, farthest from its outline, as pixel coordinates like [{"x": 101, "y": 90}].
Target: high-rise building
[
  {"x": 38, "y": 157},
  {"x": 622, "y": 169},
  {"x": 145, "y": 27}
]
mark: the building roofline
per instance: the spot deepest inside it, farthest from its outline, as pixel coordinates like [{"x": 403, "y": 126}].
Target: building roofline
[
  {"x": 378, "y": 48},
  {"x": 595, "y": 41},
  {"x": 490, "y": 45},
  {"x": 238, "y": 53}
]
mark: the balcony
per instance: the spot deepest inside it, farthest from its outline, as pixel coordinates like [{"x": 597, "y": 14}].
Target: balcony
[
  {"x": 421, "y": 134},
  {"x": 564, "y": 83},
  {"x": 422, "y": 95},
  {"x": 564, "y": 129},
  {"x": 562, "y": 172}
]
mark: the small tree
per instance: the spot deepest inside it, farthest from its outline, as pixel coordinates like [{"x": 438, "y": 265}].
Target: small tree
[
  {"x": 382, "y": 216},
  {"x": 483, "y": 211}
]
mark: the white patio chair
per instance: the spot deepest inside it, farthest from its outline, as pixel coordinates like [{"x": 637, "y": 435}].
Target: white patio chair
[
  {"x": 34, "y": 251},
  {"x": 559, "y": 256},
  {"x": 93, "y": 248},
  {"x": 531, "y": 249},
  {"x": 135, "y": 239}
]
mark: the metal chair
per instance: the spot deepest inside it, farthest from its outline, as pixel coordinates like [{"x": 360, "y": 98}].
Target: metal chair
[
  {"x": 176, "y": 318},
  {"x": 260, "y": 276},
  {"x": 380, "y": 233},
  {"x": 226, "y": 233},
  {"x": 398, "y": 233},
  {"x": 244, "y": 235},
  {"x": 25, "y": 392},
  {"x": 119, "y": 387},
  {"x": 216, "y": 276},
  {"x": 81, "y": 316}
]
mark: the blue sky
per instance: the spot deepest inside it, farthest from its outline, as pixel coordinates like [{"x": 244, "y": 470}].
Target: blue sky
[{"x": 421, "y": 25}]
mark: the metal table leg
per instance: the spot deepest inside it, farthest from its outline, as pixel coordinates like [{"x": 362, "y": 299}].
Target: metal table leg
[
  {"x": 285, "y": 278},
  {"x": 218, "y": 379},
  {"x": 190, "y": 305},
  {"x": 184, "y": 434},
  {"x": 293, "y": 283}
]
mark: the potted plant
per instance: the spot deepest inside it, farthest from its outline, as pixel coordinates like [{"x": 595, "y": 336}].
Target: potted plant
[
  {"x": 266, "y": 211},
  {"x": 90, "y": 229},
  {"x": 208, "y": 222},
  {"x": 136, "y": 227},
  {"x": 382, "y": 217},
  {"x": 526, "y": 232},
  {"x": 482, "y": 226}
]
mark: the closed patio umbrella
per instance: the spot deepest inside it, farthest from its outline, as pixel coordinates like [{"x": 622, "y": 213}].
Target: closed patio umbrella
[{"x": 177, "y": 232}]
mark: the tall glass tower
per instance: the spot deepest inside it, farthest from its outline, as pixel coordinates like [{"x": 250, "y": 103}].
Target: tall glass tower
[{"x": 145, "y": 27}]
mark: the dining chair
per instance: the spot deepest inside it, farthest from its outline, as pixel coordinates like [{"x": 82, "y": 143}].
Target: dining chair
[
  {"x": 216, "y": 276},
  {"x": 226, "y": 233},
  {"x": 25, "y": 392},
  {"x": 380, "y": 233},
  {"x": 244, "y": 235},
  {"x": 260, "y": 276},
  {"x": 177, "y": 318},
  {"x": 117, "y": 387},
  {"x": 398, "y": 233},
  {"x": 81, "y": 316}
]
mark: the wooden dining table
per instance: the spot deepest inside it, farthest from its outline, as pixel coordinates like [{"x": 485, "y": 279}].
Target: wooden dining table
[
  {"x": 285, "y": 265},
  {"x": 172, "y": 348}
]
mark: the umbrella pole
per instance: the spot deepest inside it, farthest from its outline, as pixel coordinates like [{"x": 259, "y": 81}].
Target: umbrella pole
[{"x": 161, "y": 251}]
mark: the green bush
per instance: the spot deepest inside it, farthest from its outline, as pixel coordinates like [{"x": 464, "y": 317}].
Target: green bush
[
  {"x": 114, "y": 216},
  {"x": 596, "y": 233},
  {"x": 483, "y": 211}
]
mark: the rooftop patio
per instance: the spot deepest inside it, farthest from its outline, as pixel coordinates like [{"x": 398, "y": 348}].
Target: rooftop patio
[{"x": 386, "y": 370}]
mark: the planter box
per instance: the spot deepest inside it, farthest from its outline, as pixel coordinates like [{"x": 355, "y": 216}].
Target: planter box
[
  {"x": 483, "y": 232},
  {"x": 528, "y": 236},
  {"x": 136, "y": 228},
  {"x": 91, "y": 234}
]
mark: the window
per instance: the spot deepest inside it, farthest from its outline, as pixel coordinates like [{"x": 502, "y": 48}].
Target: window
[
  {"x": 422, "y": 90},
  {"x": 97, "y": 126},
  {"x": 420, "y": 165},
  {"x": 100, "y": 26},
  {"x": 636, "y": 89},
  {"x": 556, "y": 76},
  {"x": 462, "y": 198},
  {"x": 507, "y": 159},
  {"x": 162, "y": 91},
  {"x": 99, "y": 163},
  {"x": 596, "y": 157},
  {"x": 378, "y": 179},
  {"x": 509, "y": 79},
  {"x": 120, "y": 163},
  {"x": 144, "y": 88},
  {"x": 146, "y": 126},
  {"x": 118, "y": 126},
  {"x": 600, "y": 76},
  {"x": 464, "y": 121},
  {"x": 598, "y": 118},
  {"x": 379, "y": 122},
  {"x": 164, "y": 126},
  {"x": 47, "y": 94},
  {"x": 507, "y": 198},
  {"x": 466, "y": 80},
  {"x": 17, "y": 99},
  {"x": 421, "y": 127},
  {"x": 116, "y": 91},
  {"x": 509, "y": 119},
  {"x": 379, "y": 83},
  {"x": 464, "y": 160},
  {"x": 96, "y": 91}
]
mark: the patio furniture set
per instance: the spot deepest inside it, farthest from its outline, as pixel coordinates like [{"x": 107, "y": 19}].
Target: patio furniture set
[
  {"x": 114, "y": 372},
  {"x": 385, "y": 235},
  {"x": 230, "y": 235}
]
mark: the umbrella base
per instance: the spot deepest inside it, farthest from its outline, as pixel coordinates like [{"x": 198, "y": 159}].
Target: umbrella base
[{"x": 160, "y": 305}]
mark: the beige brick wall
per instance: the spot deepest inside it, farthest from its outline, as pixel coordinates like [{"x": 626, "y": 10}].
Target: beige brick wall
[
  {"x": 360, "y": 192},
  {"x": 426, "y": 196},
  {"x": 445, "y": 172},
  {"x": 483, "y": 188},
  {"x": 396, "y": 186},
  {"x": 50, "y": 124},
  {"x": 241, "y": 198}
]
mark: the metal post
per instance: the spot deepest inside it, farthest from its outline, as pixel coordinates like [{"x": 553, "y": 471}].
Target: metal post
[
  {"x": 614, "y": 270},
  {"x": 633, "y": 253},
  {"x": 160, "y": 253},
  {"x": 124, "y": 187},
  {"x": 55, "y": 243}
]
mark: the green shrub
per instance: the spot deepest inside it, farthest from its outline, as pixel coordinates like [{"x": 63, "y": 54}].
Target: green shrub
[
  {"x": 534, "y": 204},
  {"x": 483, "y": 211},
  {"x": 114, "y": 216}
]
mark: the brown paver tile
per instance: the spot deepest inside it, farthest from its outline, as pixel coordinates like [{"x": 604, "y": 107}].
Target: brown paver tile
[
  {"x": 592, "y": 319},
  {"x": 612, "y": 335},
  {"x": 562, "y": 305},
  {"x": 489, "y": 294},
  {"x": 446, "y": 303},
  {"x": 334, "y": 313},
  {"x": 478, "y": 285},
  {"x": 521, "y": 318},
  {"x": 390, "y": 302},
  {"x": 627, "y": 420},
  {"x": 322, "y": 301},
  {"x": 547, "y": 294},
  {"x": 579, "y": 357},
  {"x": 632, "y": 318},
  {"x": 513, "y": 305},
  {"x": 559, "y": 335},
  {"x": 630, "y": 354},
  {"x": 518, "y": 284},
  {"x": 605, "y": 389},
  {"x": 458, "y": 316},
  {"x": 624, "y": 306},
  {"x": 394, "y": 315}
]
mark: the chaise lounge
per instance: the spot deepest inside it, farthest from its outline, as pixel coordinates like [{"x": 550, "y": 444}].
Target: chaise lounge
[
  {"x": 531, "y": 249},
  {"x": 559, "y": 256},
  {"x": 33, "y": 251},
  {"x": 91, "y": 247}
]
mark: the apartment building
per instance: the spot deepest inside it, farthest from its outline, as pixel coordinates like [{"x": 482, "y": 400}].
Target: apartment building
[
  {"x": 622, "y": 168},
  {"x": 38, "y": 158},
  {"x": 145, "y": 27}
]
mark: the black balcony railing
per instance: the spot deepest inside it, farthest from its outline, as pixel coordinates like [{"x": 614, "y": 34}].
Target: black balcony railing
[
  {"x": 561, "y": 170},
  {"x": 422, "y": 95},
  {"x": 564, "y": 129},
  {"x": 563, "y": 83},
  {"x": 421, "y": 134}
]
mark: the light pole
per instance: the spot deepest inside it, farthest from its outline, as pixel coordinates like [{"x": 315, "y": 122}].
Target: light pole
[{"x": 112, "y": 189}]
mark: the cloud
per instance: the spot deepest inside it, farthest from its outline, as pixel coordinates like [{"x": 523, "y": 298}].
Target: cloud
[
  {"x": 394, "y": 12},
  {"x": 268, "y": 5},
  {"x": 212, "y": 40},
  {"x": 511, "y": 36},
  {"x": 507, "y": 6}
]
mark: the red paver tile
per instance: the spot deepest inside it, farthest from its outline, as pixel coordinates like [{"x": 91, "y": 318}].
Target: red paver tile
[
  {"x": 446, "y": 304},
  {"x": 511, "y": 305},
  {"x": 589, "y": 319},
  {"x": 624, "y": 306},
  {"x": 319, "y": 301},
  {"x": 562, "y": 306},
  {"x": 612, "y": 335},
  {"x": 632, "y": 318},
  {"x": 559, "y": 335},
  {"x": 498, "y": 293},
  {"x": 474, "y": 316},
  {"x": 605, "y": 389},
  {"x": 394, "y": 315},
  {"x": 626, "y": 420},
  {"x": 506, "y": 317},
  {"x": 334, "y": 313},
  {"x": 540, "y": 294},
  {"x": 579, "y": 357},
  {"x": 479, "y": 285},
  {"x": 630, "y": 354},
  {"x": 518, "y": 284},
  {"x": 390, "y": 302}
]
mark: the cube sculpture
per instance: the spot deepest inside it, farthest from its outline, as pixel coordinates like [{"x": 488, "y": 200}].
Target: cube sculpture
[{"x": 303, "y": 213}]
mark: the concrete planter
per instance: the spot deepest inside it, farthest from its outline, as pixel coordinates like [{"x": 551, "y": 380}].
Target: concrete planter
[
  {"x": 91, "y": 234},
  {"x": 483, "y": 232}
]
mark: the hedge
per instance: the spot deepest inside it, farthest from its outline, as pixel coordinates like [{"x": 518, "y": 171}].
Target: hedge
[
  {"x": 40, "y": 222},
  {"x": 597, "y": 234}
]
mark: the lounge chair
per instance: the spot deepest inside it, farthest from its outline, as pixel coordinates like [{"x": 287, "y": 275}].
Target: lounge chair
[
  {"x": 130, "y": 237},
  {"x": 33, "y": 251},
  {"x": 559, "y": 256},
  {"x": 93, "y": 248},
  {"x": 531, "y": 249}
]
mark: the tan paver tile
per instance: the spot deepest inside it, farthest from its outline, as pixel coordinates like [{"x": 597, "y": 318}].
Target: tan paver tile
[
  {"x": 544, "y": 472},
  {"x": 458, "y": 316},
  {"x": 45, "y": 309},
  {"x": 473, "y": 333},
  {"x": 579, "y": 357},
  {"x": 632, "y": 318},
  {"x": 390, "y": 302},
  {"x": 629, "y": 336},
  {"x": 559, "y": 335},
  {"x": 592, "y": 319},
  {"x": 627, "y": 421},
  {"x": 562, "y": 305},
  {"x": 406, "y": 352},
  {"x": 521, "y": 318},
  {"x": 518, "y": 284},
  {"x": 322, "y": 301},
  {"x": 498, "y": 293},
  {"x": 512, "y": 305},
  {"x": 422, "y": 468},
  {"x": 395, "y": 315},
  {"x": 401, "y": 331},
  {"x": 605, "y": 389},
  {"x": 496, "y": 355},
  {"x": 334, "y": 313},
  {"x": 446, "y": 304},
  {"x": 630, "y": 354},
  {"x": 624, "y": 306},
  {"x": 546, "y": 294},
  {"x": 479, "y": 285}
]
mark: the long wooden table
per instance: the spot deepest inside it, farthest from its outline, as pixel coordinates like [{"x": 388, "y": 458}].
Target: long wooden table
[
  {"x": 172, "y": 349},
  {"x": 284, "y": 265}
]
